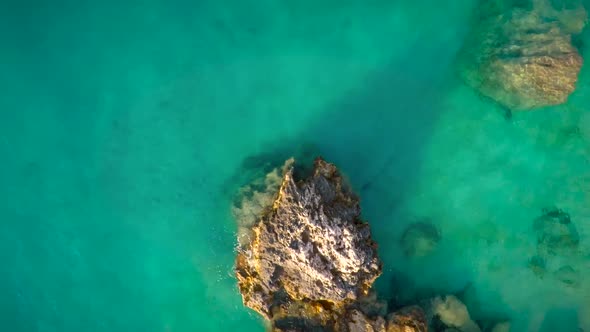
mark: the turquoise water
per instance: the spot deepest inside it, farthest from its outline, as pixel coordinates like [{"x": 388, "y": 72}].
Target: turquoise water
[{"x": 125, "y": 124}]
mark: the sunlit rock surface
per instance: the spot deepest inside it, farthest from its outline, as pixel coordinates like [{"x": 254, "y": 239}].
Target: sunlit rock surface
[
  {"x": 310, "y": 251},
  {"x": 522, "y": 55}
]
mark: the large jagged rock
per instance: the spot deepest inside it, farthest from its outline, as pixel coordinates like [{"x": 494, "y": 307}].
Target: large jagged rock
[
  {"x": 309, "y": 262},
  {"x": 310, "y": 247},
  {"x": 521, "y": 55}
]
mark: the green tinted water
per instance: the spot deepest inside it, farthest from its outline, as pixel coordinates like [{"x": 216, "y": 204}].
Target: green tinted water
[{"x": 123, "y": 125}]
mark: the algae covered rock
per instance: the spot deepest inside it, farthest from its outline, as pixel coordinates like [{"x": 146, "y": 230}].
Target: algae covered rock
[
  {"x": 310, "y": 251},
  {"x": 521, "y": 53}
]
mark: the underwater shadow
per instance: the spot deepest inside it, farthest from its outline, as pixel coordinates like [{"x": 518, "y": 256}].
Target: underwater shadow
[
  {"x": 377, "y": 135},
  {"x": 377, "y": 132}
]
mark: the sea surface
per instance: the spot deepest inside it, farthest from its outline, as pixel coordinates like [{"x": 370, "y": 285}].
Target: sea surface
[{"x": 125, "y": 125}]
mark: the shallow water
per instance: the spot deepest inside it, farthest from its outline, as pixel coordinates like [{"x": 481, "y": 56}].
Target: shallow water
[{"x": 124, "y": 125}]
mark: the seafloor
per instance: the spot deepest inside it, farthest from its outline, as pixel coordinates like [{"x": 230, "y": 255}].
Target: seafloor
[{"x": 125, "y": 125}]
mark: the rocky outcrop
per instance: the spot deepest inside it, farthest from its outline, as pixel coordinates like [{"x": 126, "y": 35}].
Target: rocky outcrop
[
  {"x": 523, "y": 56},
  {"x": 309, "y": 262},
  {"x": 310, "y": 246}
]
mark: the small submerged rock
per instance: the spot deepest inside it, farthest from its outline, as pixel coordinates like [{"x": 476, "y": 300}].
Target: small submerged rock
[
  {"x": 556, "y": 234},
  {"x": 408, "y": 319},
  {"x": 558, "y": 244},
  {"x": 453, "y": 314},
  {"x": 420, "y": 239},
  {"x": 522, "y": 56},
  {"x": 568, "y": 276}
]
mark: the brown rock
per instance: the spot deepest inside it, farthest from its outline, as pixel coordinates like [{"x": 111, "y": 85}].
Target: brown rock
[
  {"x": 523, "y": 58},
  {"x": 310, "y": 253},
  {"x": 357, "y": 321},
  {"x": 410, "y": 319}
]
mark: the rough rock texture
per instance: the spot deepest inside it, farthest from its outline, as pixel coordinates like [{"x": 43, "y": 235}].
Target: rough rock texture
[
  {"x": 409, "y": 319},
  {"x": 310, "y": 262},
  {"x": 523, "y": 57},
  {"x": 310, "y": 248},
  {"x": 358, "y": 321}
]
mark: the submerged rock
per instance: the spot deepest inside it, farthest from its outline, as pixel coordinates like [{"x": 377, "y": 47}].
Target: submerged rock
[
  {"x": 408, "y": 319},
  {"x": 420, "y": 239},
  {"x": 568, "y": 276},
  {"x": 557, "y": 243},
  {"x": 453, "y": 314},
  {"x": 556, "y": 234},
  {"x": 310, "y": 261},
  {"x": 521, "y": 55}
]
